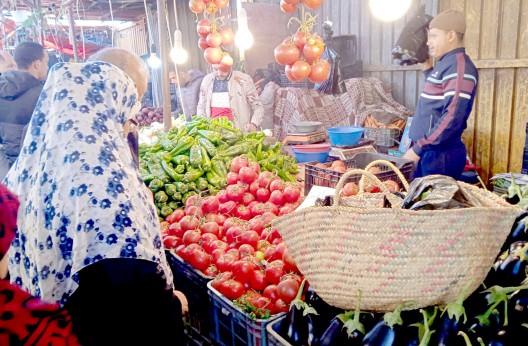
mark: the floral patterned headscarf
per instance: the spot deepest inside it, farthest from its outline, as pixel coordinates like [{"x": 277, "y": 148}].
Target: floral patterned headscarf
[{"x": 82, "y": 197}]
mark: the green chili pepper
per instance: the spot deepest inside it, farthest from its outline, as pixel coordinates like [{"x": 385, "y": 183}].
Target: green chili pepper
[
  {"x": 164, "y": 155},
  {"x": 206, "y": 163},
  {"x": 156, "y": 184},
  {"x": 177, "y": 198},
  {"x": 184, "y": 143},
  {"x": 195, "y": 155},
  {"x": 211, "y": 136},
  {"x": 192, "y": 174},
  {"x": 167, "y": 144},
  {"x": 161, "y": 197},
  {"x": 170, "y": 189},
  {"x": 209, "y": 147},
  {"x": 166, "y": 211},
  {"x": 235, "y": 150},
  {"x": 215, "y": 180},
  {"x": 173, "y": 204},
  {"x": 201, "y": 183},
  {"x": 180, "y": 160},
  {"x": 156, "y": 169},
  {"x": 181, "y": 187},
  {"x": 180, "y": 169},
  {"x": 170, "y": 172},
  {"x": 219, "y": 166}
]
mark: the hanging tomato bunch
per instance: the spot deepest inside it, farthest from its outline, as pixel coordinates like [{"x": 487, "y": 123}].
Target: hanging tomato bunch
[
  {"x": 300, "y": 53},
  {"x": 212, "y": 36}
]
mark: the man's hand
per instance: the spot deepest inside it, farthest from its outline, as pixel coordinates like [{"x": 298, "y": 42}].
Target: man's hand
[
  {"x": 410, "y": 155},
  {"x": 250, "y": 127}
]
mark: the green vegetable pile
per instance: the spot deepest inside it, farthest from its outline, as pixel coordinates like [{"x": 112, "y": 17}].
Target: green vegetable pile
[{"x": 196, "y": 157}]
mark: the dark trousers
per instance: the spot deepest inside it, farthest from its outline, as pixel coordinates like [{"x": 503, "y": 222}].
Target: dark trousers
[
  {"x": 125, "y": 302},
  {"x": 448, "y": 161}
]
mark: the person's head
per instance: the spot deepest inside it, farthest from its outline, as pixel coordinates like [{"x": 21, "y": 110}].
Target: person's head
[
  {"x": 446, "y": 32},
  {"x": 173, "y": 77},
  {"x": 6, "y": 62},
  {"x": 184, "y": 77},
  {"x": 32, "y": 58},
  {"x": 128, "y": 62},
  {"x": 220, "y": 73}
]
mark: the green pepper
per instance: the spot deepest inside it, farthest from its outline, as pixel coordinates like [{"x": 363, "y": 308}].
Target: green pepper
[
  {"x": 177, "y": 197},
  {"x": 170, "y": 172},
  {"x": 219, "y": 166},
  {"x": 164, "y": 155},
  {"x": 147, "y": 177},
  {"x": 201, "y": 183},
  {"x": 180, "y": 160},
  {"x": 156, "y": 168},
  {"x": 192, "y": 174},
  {"x": 152, "y": 148},
  {"x": 215, "y": 180},
  {"x": 211, "y": 136},
  {"x": 180, "y": 169},
  {"x": 166, "y": 211},
  {"x": 161, "y": 197},
  {"x": 170, "y": 189},
  {"x": 167, "y": 144},
  {"x": 143, "y": 148},
  {"x": 181, "y": 187},
  {"x": 174, "y": 205},
  {"x": 229, "y": 136},
  {"x": 184, "y": 143},
  {"x": 235, "y": 150},
  {"x": 282, "y": 174},
  {"x": 195, "y": 156},
  {"x": 206, "y": 163},
  {"x": 156, "y": 184},
  {"x": 209, "y": 147},
  {"x": 192, "y": 186},
  {"x": 213, "y": 190}
]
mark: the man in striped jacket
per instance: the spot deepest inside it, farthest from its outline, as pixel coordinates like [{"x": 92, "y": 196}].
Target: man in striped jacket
[{"x": 445, "y": 102}]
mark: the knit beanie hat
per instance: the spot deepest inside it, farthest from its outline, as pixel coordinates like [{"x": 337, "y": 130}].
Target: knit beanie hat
[{"x": 449, "y": 20}]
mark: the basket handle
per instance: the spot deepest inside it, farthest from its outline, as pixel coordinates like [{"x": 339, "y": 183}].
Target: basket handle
[
  {"x": 391, "y": 166},
  {"x": 394, "y": 200}
]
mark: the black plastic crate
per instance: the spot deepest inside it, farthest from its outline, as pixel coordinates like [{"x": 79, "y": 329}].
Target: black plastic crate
[
  {"x": 274, "y": 337},
  {"x": 232, "y": 327},
  {"x": 326, "y": 177},
  {"x": 193, "y": 284}
]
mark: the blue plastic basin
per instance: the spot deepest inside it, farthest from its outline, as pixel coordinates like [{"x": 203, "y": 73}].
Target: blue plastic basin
[
  {"x": 345, "y": 135},
  {"x": 311, "y": 156}
]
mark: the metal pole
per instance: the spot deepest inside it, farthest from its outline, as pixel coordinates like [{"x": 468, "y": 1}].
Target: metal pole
[
  {"x": 72, "y": 34},
  {"x": 163, "y": 54}
]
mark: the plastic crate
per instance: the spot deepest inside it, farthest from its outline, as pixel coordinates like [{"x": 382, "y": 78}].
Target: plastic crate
[
  {"x": 346, "y": 47},
  {"x": 286, "y": 83},
  {"x": 274, "y": 337},
  {"x": 326, "y": 177},
  {"x": 383, "y": 137},
  {"x": 232, "y": 327},
  {"x": 193, "y": 284}
]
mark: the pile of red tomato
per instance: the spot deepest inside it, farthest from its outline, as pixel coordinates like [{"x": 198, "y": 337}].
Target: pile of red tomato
[
  {"x": 300, "y": 54},
  {"x": 229, "y": 237},
  {"x": 212, "y": 38}
]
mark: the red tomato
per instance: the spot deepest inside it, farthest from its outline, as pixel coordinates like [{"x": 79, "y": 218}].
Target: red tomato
[
  {"x": 213, "y": 55},
  {"x": 227, "y": 36},
  {"x": 267, "y": 217},
  {"x": 258, "y": 209},
  {"x": 235, "y": 193},
  {"x": 222, "y": 196},
  {"x": 200, "y": 260},
  {"x": 300, "y": 69},
  {"x": 224, "y": 262},
  {"x": 319, "y": 72},
  {"x": 191, "y": 237},
  {"x": 216, "y": 254},
  {"x": 193, "y": 210},
  {"x": 211, "y": 271},
  {"x": 176, "y": 230},
  {"x": 258, "y": 280},
  {"x": 289, "y": 262},
  {"x": 286, "y": 54},
  {"x": 286, "y": 209},
  {"x": 350, "y": 189},
  {"x": 238, "y": 162},
  {"x": 271, "y": 208},
  {"x": 203, "y": 27},
  {"x": 189, "y": 222},
  {"x": 247, "y": 198},
  {"x": 312, "y": 4},
  {"x": 287, "y": 290},
  {"x": 210, "y": 204},
  {"x": 312, "y": 53},
  {"x": 172, "y": 242},
  {"x": 263, "y": 305},
  {"x": 253, "y": 187},
  {"x": 232, "y": 289},
  {"x": 270, "y": 292},
  {"x": 292, "y": 2},
  {"x": 255, "y": 165},
  {"x": 263, "y": 194},
  {"x": 175, "y": 216},
  {"x": 242, "y": 270},
  {"x": 291, "y": 194},
  {"x": 247, "y": 175},
  {"x": 275, "y": 271},
  {"x": 269, "y": 251},
  {"x": 227, "y": 208},
  {"x": 251, "y": 238},
  {"x": 221, "y": 4},
  {"x": 279, "y": 250},
  {"x": 256, "y": 224},
  {"x": 243, "y": 212},
  {"x": 281, "y": 306},
  {"x": 262, "y": 245},
  {"x": 265, "y": 179},
  {"x": 287, "y": 8},
  {"x": 392, "y": 185},
  {"x": 234, "y": 252},
  {"x": 214, "y": 39},
  {"x": 197, "y": 6},
  {"x": 288, "y": 72},
  {"x": 299, "y": 38},
  {"x": 246, "y": 250},
  {"x": 244, "y": 187},
  {"x": 202, "y": 43},
  {"x": 277, "y": 184},
  {"x": 233, "y": 234},
  {"x": 226, "y": 63},
  {"x": 218, "y": 218}
]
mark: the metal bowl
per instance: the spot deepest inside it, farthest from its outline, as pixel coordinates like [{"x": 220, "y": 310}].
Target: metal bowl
[{"x": 307, "y": 126}]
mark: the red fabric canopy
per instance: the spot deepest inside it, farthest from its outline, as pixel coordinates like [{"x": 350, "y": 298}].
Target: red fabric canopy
[{"x": 63, "y": 45}]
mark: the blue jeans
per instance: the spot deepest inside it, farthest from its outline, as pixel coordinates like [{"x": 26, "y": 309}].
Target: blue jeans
[{"x": 448, "y": 161}]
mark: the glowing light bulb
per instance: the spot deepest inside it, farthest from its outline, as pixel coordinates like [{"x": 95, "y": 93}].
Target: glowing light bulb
[
  {"x": 178, "y": 54},
  {"x": 243, "y": 38},
  {"x": 154, "y": 61},
  {"x": 389, "y": 10}
]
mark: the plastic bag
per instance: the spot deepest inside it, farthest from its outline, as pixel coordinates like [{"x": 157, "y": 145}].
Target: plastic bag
[
  {"x": 411, "y": 47},
  {"x": 436, "y": 192}
]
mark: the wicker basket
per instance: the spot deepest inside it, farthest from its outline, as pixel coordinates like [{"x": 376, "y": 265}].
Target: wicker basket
[
  {"x": 382, "y": 136},
  {"x": 395, "y": 255}
]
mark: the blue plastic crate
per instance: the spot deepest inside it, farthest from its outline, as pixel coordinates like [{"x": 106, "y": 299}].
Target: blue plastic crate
[
  {"x": 232, "y": 327},
  {"x": 274, "y": 337},
  {"x": 193, "y": 284}
]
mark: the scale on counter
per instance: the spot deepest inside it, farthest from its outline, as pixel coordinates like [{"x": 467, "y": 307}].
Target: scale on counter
[
  {"x": 364, "y": 145},
  {"x": 305, "y": 138}
]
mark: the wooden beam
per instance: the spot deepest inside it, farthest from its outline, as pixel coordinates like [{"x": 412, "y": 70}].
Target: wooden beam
[{"x": 480, "y": 64}]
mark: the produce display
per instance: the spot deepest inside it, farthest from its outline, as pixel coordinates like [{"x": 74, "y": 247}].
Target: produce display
[
  {"x": 149, "y": 115},
  {"x": 228, "y": 236},
  {"x": 193, "y": 158}
]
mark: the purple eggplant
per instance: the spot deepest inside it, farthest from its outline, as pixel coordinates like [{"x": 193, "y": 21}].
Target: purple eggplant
[
  {"x": 383, "y": 333},
  {"x": 451, "y": 320}
]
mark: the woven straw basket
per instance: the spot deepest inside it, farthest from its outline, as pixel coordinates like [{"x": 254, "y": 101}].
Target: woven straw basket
[{"x": 396, "y": 255}]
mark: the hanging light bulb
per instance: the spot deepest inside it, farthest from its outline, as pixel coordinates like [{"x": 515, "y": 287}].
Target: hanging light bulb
[
  {"x": 153, "y": 61},
  {"x": 178, "y": 54},
  {"x": 389, "y": 10},
  {"x": 243, "y": 38}
]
